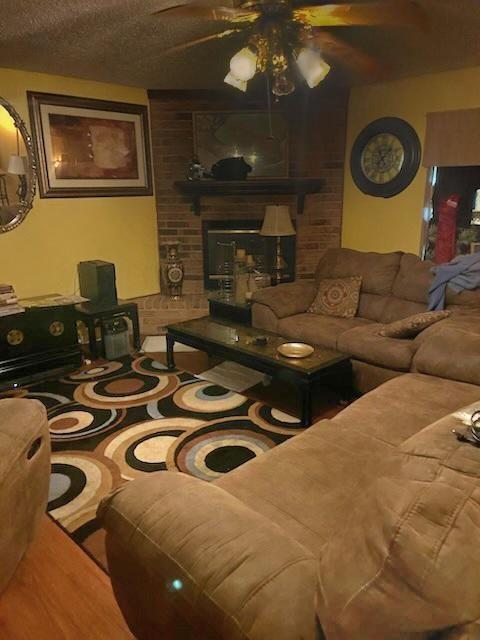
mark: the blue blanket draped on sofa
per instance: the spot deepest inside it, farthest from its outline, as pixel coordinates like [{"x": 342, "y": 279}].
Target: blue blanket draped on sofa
[{"x": 460, "y": 273}]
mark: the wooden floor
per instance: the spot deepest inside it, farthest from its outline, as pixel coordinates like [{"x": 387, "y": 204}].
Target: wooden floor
[{"x": 59, "y": 593}]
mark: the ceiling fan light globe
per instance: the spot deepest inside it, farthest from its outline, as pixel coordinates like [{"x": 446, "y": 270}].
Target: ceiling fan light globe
[
  {"x": 243, "y": 65},
  {"x": 312, "y": 66},
  {"x": 230, "y": 79}
]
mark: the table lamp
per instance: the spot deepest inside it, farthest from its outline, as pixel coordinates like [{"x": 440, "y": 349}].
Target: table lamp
[
  {"x": 17, "y": 166},
  {"x": 277, "y": 224}
]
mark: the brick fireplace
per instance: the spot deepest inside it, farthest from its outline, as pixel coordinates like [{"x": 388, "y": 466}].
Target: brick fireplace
[
  {"x": 245, "y": 235},
  {"x": 317, "y": 125}
]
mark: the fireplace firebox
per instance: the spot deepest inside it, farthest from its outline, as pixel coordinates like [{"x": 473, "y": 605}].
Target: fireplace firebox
[{"x": 217, "y": 234}]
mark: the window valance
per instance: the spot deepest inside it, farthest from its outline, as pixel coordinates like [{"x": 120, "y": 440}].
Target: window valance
[{"x": 452, "y": 139}]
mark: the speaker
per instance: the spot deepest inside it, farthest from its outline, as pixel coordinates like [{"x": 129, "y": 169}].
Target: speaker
[
  {"x": 115, "y": 338},
  {"x": 97, "y": 281}
]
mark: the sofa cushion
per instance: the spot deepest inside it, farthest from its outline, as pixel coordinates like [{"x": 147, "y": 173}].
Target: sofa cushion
[
  {"x": 365, "y": 343},
  {"x": 362, "y": 435},
  {"x": 451, "y": 351},
  {"x": 378, "y": 270},
  {"x": 413, "y": 325},
  {"x": 417, "y": 521},
  {"x": 397, "y": 309},
  {"x": 464, "y": 299},
  {"x": 306, "y": 484},
  {"x": 316, "y": 329},
  {"x": 410, "y": 289},
  {"x": 337, "y": 297},
  {"x": 413, "y": 279},
  {"x": 372, "y": 306},
  {"x": 401, "y": 407}
]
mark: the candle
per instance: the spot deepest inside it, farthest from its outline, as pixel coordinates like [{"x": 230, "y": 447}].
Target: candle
[{"x": 477, "y": 200}]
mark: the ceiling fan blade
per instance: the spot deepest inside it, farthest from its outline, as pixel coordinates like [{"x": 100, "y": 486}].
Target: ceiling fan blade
[
  {"x": 339, "y": 52},
  {"x": 194, "y": 10},
  {"x": 193, "y": 43},
  {"x": 399, "y": 13}
]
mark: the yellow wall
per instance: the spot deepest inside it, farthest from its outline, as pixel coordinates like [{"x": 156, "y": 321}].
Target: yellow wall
[
  {"x": 377, "y": 224},
  {"x": 41, "y": 255}
]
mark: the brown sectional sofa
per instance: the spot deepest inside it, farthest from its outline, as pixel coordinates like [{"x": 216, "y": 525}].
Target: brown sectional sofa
[
  {"x": 363, "y": 527},
  {"x": 394, "y": 286},
  {"x": 368, "y": 523}
]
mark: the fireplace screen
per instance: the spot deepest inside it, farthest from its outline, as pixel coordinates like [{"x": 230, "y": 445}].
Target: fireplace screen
[{"x": 222, "y": 239}]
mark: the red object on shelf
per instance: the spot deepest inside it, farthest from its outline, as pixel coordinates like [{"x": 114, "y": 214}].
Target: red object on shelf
[{"x": 446, "y": 243}]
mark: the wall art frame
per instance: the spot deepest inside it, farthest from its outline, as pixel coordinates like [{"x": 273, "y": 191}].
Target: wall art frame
[
  {"x": 90, "y": 148},
  {"x": 223, "y": 134}
]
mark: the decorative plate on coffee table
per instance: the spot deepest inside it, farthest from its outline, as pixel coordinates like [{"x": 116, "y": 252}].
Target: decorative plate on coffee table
[{"x": 295, "y": 350}]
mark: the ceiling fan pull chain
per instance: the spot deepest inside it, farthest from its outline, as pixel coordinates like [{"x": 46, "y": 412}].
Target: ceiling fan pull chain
[{"x": 269, "y": 107}]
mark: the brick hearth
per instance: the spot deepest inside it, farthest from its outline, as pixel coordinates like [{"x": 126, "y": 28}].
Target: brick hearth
[{"x": 155, "y": 312}]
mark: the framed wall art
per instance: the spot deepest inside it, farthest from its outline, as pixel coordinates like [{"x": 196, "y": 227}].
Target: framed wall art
[
  {"x": 89, "y": 148},
  {"x": 227, "y": 134}
]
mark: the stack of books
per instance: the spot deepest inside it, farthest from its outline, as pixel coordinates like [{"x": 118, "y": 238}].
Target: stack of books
[{"x": 9, "y": 301}]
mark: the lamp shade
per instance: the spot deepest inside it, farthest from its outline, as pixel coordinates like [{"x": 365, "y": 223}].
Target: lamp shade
[
  {"x": 277, "y": 221},
  {"x": 16, "y": 165}
]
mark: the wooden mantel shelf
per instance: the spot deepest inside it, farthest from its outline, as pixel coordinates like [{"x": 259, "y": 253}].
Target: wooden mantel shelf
[{"x": 300, "y": 187}]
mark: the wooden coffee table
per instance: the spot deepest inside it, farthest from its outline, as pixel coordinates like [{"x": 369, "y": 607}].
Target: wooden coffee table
[{"x": 229, "y": 341}]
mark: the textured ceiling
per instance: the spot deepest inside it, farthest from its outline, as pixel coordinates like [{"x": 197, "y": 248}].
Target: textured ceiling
[{"x": 120, "y": 41}]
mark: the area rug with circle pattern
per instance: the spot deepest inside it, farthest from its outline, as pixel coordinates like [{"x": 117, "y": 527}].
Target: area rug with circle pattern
[{"x": 115, "y": 421}]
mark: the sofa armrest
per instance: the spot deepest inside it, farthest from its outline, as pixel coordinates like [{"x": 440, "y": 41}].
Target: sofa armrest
[
  {"x": 287, "y": 299},
  {"x": 190, "y": 561},
  {"x": 24, "y": 478}
]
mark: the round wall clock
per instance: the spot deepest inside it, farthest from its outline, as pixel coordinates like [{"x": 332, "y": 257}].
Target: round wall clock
[{"x": 385, "y": 157}]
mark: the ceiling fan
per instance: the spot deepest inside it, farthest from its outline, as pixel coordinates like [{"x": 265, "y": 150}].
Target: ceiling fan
[{"x": 283, "y": 40}]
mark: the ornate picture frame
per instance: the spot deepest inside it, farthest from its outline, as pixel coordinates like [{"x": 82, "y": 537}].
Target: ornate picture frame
[{"x": 89, "y": 148}]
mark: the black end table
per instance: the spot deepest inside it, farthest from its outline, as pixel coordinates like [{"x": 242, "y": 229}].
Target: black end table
[
  {"x": 221, "y": 307},
  {"x": 92, "y": 314}
]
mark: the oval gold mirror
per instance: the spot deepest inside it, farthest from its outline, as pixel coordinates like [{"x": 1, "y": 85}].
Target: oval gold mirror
[{"x": 18, "y": 175}]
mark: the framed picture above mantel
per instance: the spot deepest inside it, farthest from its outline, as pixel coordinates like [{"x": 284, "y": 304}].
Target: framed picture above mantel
[
  {"x": 90, "y": 148},
  {"x": 259, "y": 137}
]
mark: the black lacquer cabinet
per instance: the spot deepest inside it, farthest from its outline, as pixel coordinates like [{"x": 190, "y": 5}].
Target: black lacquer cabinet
[{"x": 37, "y": 344}]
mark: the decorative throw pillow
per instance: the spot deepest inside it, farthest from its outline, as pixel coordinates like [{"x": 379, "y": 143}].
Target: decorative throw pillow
[
  {"x": 337, "y": 297},
  {"x": 413, "y": 325}
]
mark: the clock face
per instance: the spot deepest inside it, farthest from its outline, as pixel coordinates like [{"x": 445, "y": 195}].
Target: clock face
[
  {"x": 382, "y": 158},
  {"x": 385, "y": 157},
  {"x": 175, "y": 275}
]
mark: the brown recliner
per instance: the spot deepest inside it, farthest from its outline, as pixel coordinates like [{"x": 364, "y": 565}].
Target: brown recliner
[
  {"x": 24, "y": 478},
  {"x": 368, "y": 523}
]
